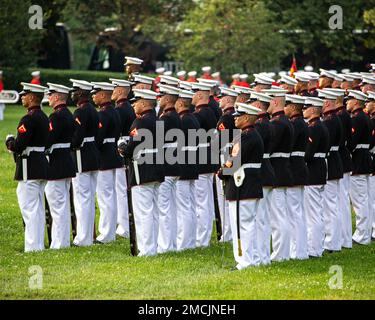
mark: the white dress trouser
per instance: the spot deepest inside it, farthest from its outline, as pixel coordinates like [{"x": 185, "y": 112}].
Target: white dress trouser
[
  {"x": 30, "y": 196},
  {"x": 204, "y": 203},
  {"x": 146, "y": 215},
  {"x": 107, "y": 202},
  {"x": 332, "y": 216},
  {"x": 224, "y": 212},
  {"x": 280, "y": 226},
  {"x": 167, "y": 215},
  {"x": 248, "y": 233},
  {"x": 314, "y": 196},
  {"x": 185, "y": 211},
  {"x": 84, "y": 188},
  {"x": 2, "y": 108},
  {"x": 122, "y": 203},
  {"x": 345, "y": 212},
  {"x": 372, "y": 202},
  {"x": 359, "y": 185},
  {"x": 58, "y": 197},
  {"x": 263, "y": 224},
  {"x": 296, "y": 213}
]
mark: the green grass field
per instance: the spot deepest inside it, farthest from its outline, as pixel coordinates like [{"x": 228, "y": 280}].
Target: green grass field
[{"x": 110, "y": 272}]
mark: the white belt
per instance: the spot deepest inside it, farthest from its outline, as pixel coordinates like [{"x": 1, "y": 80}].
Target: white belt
[
  {"x": 87, "y": 139},
  {"x": 373, "y": 150},
  {"x": 170, "y": 145},
  {"x": 252, "y": 165},
  {"x": 266, "y": 156},
  {"x": 280, "y": 155},
  {"x": 362, "y": 146},
  {"x": 297, "y": 154},
  {"x": 145, "y": 151},
  {"x": 109, "y": 140},
  {"x": 227, "y": 146},
  {"x": 59, "y": 146},
  {"x": 334, "y": 148},
  {"x": 189, "y": 148},
  {"x": 26, "y": 152},
  {"x": 319, "y": 155},
  {"x": 203, "y": 145}
]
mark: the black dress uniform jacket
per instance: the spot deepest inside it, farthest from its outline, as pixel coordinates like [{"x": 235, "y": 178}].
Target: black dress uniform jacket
[
  {"x": 333, "y": 124},
  {"x": 61, "y": 130},
  {"x": 282, "y": 143},
  {"x": 189, "y": 171},
  {"x": 318, "y": 144},
  {"x": 32, "y": 132},
  {"x": 207, "y": 122},
  {"x": 265, "y": 129},
  {"x": 214, "y": 105},
  {"x": 171, "y": 121},
  {"x": 127, "y": 116},
  {"x": 361, "y": 135},
  {"x": 109, "y": 129},
  {"x": 148, "y": 172},
  {"x": 225, "y": 126},
  {"x": 251, "y": 151},
  {"x": 346, "y": 122},
  {"x": 86, "y": 126},
  {"x": 300, "y": 172}
]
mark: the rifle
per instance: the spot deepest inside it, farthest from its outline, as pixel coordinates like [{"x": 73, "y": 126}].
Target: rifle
[
  {"x": 238, "y": 221},
  {"x": 132, "y": 231},
  {"x": 73, "y": 217},
  {"x": 48, "y": 220},
  {"x": 219, "y": 230}
]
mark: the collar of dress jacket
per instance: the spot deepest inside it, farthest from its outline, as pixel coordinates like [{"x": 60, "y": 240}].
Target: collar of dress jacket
[
  {"x": 105, "y": 105},
  {"x": 314, "y": 120},
  {"x": 142, "y": 114},
  {"x": 33, "y": 108},
  {"x": 60, "y": 106},
  {"x": 278, "y": 113},
  {"x": 356, "y": 112},
  {"x": 296, "y": 116},
  {"x": 121, "y": 101},
  {"x": 81, "y": 103},
  {"x": 184, "y": 112},
  {"x": 248, "y": 128}
]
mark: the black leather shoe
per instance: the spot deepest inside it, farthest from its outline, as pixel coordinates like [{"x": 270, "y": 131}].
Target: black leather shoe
[{"x": 98, "y": 242}]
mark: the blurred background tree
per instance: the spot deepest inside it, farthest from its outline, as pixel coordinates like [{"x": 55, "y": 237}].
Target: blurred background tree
[
  {"x": 305, "y": 26},
  {"x": 231, "y": 36},
  {"x": 17, "y": 41}
]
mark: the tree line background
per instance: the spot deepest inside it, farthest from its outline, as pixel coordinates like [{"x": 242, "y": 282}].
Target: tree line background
[{"x": 230, "y": 35}]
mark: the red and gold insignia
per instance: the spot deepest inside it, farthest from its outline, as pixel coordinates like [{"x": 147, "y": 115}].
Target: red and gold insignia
[
  {"x": 50, "y": 126},
  {"x": 134, "y": 132},
  {"x": 100, "y": 125},
  {"x": 310, "y": 140},
  {"x": 353, "y": 130},
  {"x": 77, "y": 120},
  {"x": 221, "y": 127},
  {"x": 22, "y": 129},
  {"x": 373, "y": 132}
]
